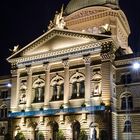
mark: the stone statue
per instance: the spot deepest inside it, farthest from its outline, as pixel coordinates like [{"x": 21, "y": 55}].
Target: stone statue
[
  {"x": 57, "y": 18},
  {"x": 15, "y": 49},
  {"x": 58, "y": 21},
  {"x": 104, "y": 29}
]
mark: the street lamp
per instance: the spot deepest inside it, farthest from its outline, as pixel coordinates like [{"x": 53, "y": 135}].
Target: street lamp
[
  {"x": 136, "y": 65},
  {"x": 9, "y": 85}
]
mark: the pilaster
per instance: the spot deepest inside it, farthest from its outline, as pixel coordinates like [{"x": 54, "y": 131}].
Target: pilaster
[
  {"x": 15, "y": 90},
  {"x": 47, "y": 85},
  {"x": 66, "y": 82},
  {"x": 29, "y": 88},
  {"x": 107, "y": 58},
  {"x": 87, "y": 79}
]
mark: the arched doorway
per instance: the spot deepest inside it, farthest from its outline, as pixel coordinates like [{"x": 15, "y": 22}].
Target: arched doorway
[
  {"x": 39, "y": 136},
  {"x": 20, "y": 136},
  {"x": 54, "y": 129},
  {"x": 75, "y": 130},
  {"x": 94, "y": 131}
]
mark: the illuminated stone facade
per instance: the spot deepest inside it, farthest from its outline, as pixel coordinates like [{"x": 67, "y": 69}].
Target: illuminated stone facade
[
  {"x": 5, "y": 88},
  {"x": 72, "y": 82}
]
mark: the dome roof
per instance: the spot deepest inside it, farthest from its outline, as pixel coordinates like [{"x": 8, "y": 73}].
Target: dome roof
[{"x": 75, "y": 5}]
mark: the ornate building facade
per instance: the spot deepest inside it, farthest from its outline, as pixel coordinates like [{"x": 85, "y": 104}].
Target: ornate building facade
[
  {"x": 5, "y": 88},
  {"x": 75, "y": 81}
]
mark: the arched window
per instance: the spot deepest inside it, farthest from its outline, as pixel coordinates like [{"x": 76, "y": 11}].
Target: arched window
[
  {"x": 127, "y": 126},
  {"x": 23, "y": 90},
  {"x": 126, "y": 101},
  {"x": 3, "y": 111},
  {"x": 76, "y": 130},
  {"x": 20, "y": 136},
  {"x": 77, "y": 85},
  {"x": 96, "y": 84},
  {"x": 38, "y": 86},
  {"x": 57, "y": 86}
]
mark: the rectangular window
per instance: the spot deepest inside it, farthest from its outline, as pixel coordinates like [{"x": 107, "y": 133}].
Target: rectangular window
[
  {"x": 126, "y": 78},
  {"x": 4, "y": 94},
  {"x": 3, "y": 113}
]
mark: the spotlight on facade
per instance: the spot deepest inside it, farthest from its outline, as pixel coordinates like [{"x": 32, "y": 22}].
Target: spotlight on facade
[
  {"x": 9, "y": 85},
  {"x": 136, "y": 65}
]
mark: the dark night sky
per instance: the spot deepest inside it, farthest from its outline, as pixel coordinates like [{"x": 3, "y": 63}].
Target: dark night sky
[{"x": 22, "y": 21}]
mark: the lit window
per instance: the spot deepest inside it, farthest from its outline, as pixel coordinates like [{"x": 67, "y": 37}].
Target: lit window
[
  {"x": 78, "y": 89},
  {"x": 57, "y": 86},
  {"x": 39, "y": 94},
  {"x": 58, "y": 92},
  {"x": 77, "y": 86},
  {"x": 23, "y": 90},
  {"x": 96, "y": 84},
  {"x": 39, "y": 90}
]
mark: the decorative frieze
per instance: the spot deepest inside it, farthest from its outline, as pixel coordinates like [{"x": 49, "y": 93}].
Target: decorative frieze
[
  {"x": 90, "y": 17},
  {"x": 53, "y": 33}
]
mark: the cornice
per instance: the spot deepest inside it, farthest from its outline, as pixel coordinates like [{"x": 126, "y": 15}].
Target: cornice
[
  {"x": 85, "y": 12},
  {"x": 85, "y": 15},
  {"x": 91, "y": 17},
  {"x": 50, "y": 34},
  {"x": 65, "y": 33},
  {"x": 128, "y": 61},
  {"x": 57, "y": 55}
]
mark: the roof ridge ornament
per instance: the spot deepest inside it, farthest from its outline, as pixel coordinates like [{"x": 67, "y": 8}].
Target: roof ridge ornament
[{"x": 58, "y": 21}]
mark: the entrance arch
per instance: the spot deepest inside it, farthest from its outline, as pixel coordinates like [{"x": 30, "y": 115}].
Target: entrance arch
[
  {"x": 54, "y": 129},
  {"x": 20, "y": 136},
  {"x": 40, "y": 136},
  {"x": 76, "y": 130}
]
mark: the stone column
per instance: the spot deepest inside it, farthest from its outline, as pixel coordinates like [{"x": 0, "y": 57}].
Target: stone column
[
  {"x": 87, "y": 80},
  {"x": 47, "y": 86},
  {"x": 66, "y": 83},
  {"x": 29, "y": 88},
  {"x": 15, "y": 90}
]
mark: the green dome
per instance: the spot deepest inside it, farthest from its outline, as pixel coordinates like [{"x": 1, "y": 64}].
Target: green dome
[{"x": 75, "y": 5}]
